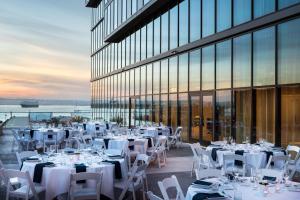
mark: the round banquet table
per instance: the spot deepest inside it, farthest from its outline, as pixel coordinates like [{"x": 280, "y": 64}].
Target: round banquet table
[
  {"x": 248, "y": 193},
  {"x": 256, "y": 159},
  {"x": 56, "y": 179}
]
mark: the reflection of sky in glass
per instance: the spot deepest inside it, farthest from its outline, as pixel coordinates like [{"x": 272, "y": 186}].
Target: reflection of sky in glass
[
  {"x": 263, "y": 7},
  {"x": 183, "y": 22},
  {"x": 286, "y": 3},
  {"x": 264, "y": 57},
  {"x": 173, "y": 74},
  {"x": 156, "y": 36},
  {"x": 289, "y": 52},
  {"x": 164, "y": 32},
  {"x": 195, "y": 20},
  {"x": 173, "y": 27},
  {"x": 208, "y": 22},
  {"x": 195, "y": 70},
  {"x": 242, "y": 11},
  {"x": 164, "y": 76},
  {"x": 208, "y": 68},
  {"x": 223, "y": 65},
  {"x": 223, "y": 14},
  {"x": 149, "y": 39},
  {"x": 143, "y": 80},
  {"x": 183, "y": 73},
  {"x": 156, "y": 77},
  {"x": 149, "y": 79}
]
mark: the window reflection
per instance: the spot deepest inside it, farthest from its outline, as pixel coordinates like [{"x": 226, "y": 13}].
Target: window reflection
[
  {"x": 164, "y": 108},
  {"x": 156, "y": 77},
  {"x": 223, "y": 15},
  {"x": 289, "y": 52},
  {"x": 264, "y": 57},
  {"x": 242, "y": 117},
  {"x": 183, "y": 73},
  {"x": 208, "y": 67},
  {"x": 195, "y": 70},
  {"x": 208, "y": 22},
  {"x": 223, "y": 64},
  {"x": 183, "y": 114},
  {"x": 265, "y": 114},
  {"x": 263, "y": 7},
  {"x": 150, "y": 40},
  {"x": 155, "y": 108},
  {"x": 242, "y": 11},
  {"x": 174, "y": 27},
  {"x": 183, "y": 22},
  {"x": 149, "y": 79},
  {"x": 157, "y": 36},
  {"x": 173, "y": 111},
  {"x": 290, "y": 116},
  {"x": 173, "y": 74},
  {"x": 242, "y": 61},
  {"x": 286, "y": 3},
  {"x": 165, "y": 32},
  {"x": 195, "y": 20},
  {"x": 164, "y": 76},
  {"x": 223, "y": 114}
]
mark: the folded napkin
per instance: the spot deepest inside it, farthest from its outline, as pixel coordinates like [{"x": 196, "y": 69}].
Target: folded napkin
[
  {"x": 269, "y": 178},
  {"x": 149, "y": 141},
  {"x": 106, "y": 140},
  {"x": 84, "y": 127},
  {"x": 131, "y": 148},
  {"x": 80, "y": 168},
  {"x": 67, "y": 134},
  {"x": 238, "y": 162},
  {"x": 214, "y": 153},
  {"x": 31, "y": 132},
  {"x": 205, "y": 183},
  {"x": 118, "y": 172},
  {"x": 202, "y": 196},
  {"x": 38, "y": 171}
]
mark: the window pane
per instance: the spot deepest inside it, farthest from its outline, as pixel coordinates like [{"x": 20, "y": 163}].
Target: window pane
[
  {"x": 157, "y": 36},
  {"x": 242, "y": 106},
  {"x": 155, "y": 109},
  {"x": 242, "y": 61},
  {"x": 183, "y": 73},
  {"x": 132, "y": 52},
  {"x": 208, "y": 68},
  {"x": 143, "y": 43},
  {"x": 223, "y": 15},
  {"x": 132, "y": 82},
  {"x": 149, "y": 79},
  {"x": 242, "y": 11},
  {"x": 290, "y": 115},
  {"x": 286, "y": 3},
  {"x": 195, "y": 70},
  {"x": 173, "y": 74},
  {"x": 183, "y": 114},
  {"x": 127, "y": 50},
  {"x": 265, "y": 114},
  {"x": 164, "y": 76},
  {"x": 195, "y": 20},
  {"x": 149, "y": 109},
  {"x": 137, "y": 81},
  {"x": 223, "y": 65},
  {"x": 263, "y": 7},
  {"x": 223, "y": 114},
  {"x": 156, "y": 77},
  {"x": 165, "y": 32},
  {"x": 164, "y": 109},
  {"x": 174, "y": 27},
  {"x": 173, "y": 111},
  {"x": 208, "y": 21},
  {"x": 289, "y": 52},
  {"x": 138, "y": 46},
  {"x": 183, "y": 22},
  {"x": 264, "y": 57},
  {"x": 143, "y": 80},
  {"x": 150, "y": 40}
]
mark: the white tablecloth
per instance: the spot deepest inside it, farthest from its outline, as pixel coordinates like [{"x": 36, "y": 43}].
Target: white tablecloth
[
  {"x": 57, "y": 179},
  {"x": 39, "y": 133},
  {"x": 91, "y": 127},
  {"x": 248, "y": 193}
]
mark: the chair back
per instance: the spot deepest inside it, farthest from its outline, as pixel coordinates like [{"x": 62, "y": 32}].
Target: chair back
[
  {"x": 21, "y": 156},
  {"x": 178, "y": 131},
  {"x": 229, "y": 160},
  {"x": 294, "y": 151},
  {"x": 171, "y": 182},
  {"x": 85, "y": 176},
  {"x": 152, "y": 196},
  {"x": 119, "y": 144},
  {"x": 278, "y": 158},
  {"x": 205, "y": 160},
  {"x": 295, "y": 169},
  {"x": 208, "y": 173},
  {"x": 87, "y": 139},
  {"x": 139, "y": 145},
  {"x": 141, "y": 159},
  {"x": 23, "y": 177}
]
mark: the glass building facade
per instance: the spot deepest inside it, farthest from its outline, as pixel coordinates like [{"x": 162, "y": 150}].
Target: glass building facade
[{"x": 215, "y": 67}]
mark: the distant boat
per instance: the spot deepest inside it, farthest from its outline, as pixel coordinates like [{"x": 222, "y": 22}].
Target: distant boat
[{"x": 29, "y": 104}]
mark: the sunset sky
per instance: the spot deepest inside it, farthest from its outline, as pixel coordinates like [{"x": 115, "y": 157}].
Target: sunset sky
[{"x": 44, "y": 49}]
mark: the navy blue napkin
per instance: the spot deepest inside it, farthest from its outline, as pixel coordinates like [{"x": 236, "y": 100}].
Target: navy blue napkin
[
  {"x": 80, "y": 168},
  {"x": 238, "y": 162},
  {"x": 67, "y": 134},
  {"x": 106, "y": 140},
  {"x": 38, "y": 171},
  {"x": 214, "y": 153},
  {"x": 269, "y": 178},
  {"x": 198, "y": 182},
  {"x": 131, "y": 148},
  {"x": 268, "y": 154},
  {"x": 202, "y": 196}
]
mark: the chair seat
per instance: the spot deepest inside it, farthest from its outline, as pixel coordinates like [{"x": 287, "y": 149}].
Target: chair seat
[
  {"x": 87, "y": 193},
  {"x": 23, "y": 190}
]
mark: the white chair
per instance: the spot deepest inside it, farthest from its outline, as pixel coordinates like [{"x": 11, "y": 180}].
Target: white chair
[
  {"x": 158, "y": 153},
  {"x": 152, "y": 196},
  {"x": 142, "y": 159},
  {"x": 21, "y": 156},
  {"x": 175, "y": 138},
  {"x": 278, "y": 158},
  {"x": 50, "y": 138},
  {"x": 87, "y": 140},
  {"x": 294, "y": 151},
  {"x": 139, "y": 147},
  {"x": 27, "y": 190},
  {"x": 133, "y": 182},
  {"x": 205, "y": 160},
  {"x": 99, "y": 143},
  {"x": 229, "y": 165},
  {"x": 195, "y": 149},
  {"x": 121, "y": 145},
  {"x": 82, "y": 193},
  {"x": 208, "y": 173},
  {"x": 168, "y": 183},
  {"x": 296, "y": 169}
]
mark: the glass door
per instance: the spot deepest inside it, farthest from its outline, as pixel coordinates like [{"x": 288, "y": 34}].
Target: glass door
[
  {"x": 195, "y": 122},
  {"x": 207, "y": 120},
  {"x": 134, "y": 111}
]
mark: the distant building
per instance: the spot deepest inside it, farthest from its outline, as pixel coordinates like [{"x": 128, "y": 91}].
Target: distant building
[{"x": 215, "y": 67}]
